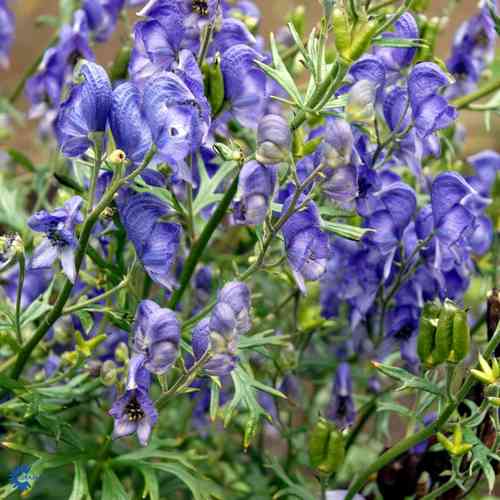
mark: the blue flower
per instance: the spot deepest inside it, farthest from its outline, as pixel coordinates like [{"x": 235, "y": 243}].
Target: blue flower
[
  {"x": 156, "y": 242},
  {"x": 128, "y": 126},
  {"x": 219, "y": 333},
  {"x": 341, "y": 408},
  {"x": 85, "y": 111},
  {"x": 156, "y": 339},
  {"x": 60, "y": 242},
  {"x": 178, "y": 120},
  {"x": 307, "y": 246},
  {"x": 134, "y": 411},
  {"x": 102, "y": 16},
  {"x": 273, "y": 140},
  {"x": 7, "y": 30},
  {"x": 256, "y": 188}
]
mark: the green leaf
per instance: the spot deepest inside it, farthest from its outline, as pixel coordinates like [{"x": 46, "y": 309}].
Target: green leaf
[
  {"x": 395, "y": 408},
  {"x": 80, "y": 484},
  {"x": 12, "y": 212},
  {"x": 400, "y": 43},
  {"x": 112, "y": 488},
  {"x": 292, "y": 489},
  {"x": 201, "y": 488},
  {"x": 21, "y": 159},
  {"x": 409, "y": 380},
  {"x": 10, "y": 383},
  {"x": 151, "y": 485},
  {"x": 305, "y": 54},
  {"x": 280, "y": 73},
  {"x": 346, "y": 230},
  {"x": 262, "y": 339},
  {"x": 152, "y": 451}
]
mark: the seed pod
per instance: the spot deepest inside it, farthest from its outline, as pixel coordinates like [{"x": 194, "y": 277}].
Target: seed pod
[
  {"x": 461, "y": 336},
  {"x": 342, "y": 31},
  {"x": 214, "y": 85},
  {"x": 326, "y": 447},
  {"x": 361, "y": 40},
  {"x": 444, "y": 333},
  {"x": 425, "y": 341}
]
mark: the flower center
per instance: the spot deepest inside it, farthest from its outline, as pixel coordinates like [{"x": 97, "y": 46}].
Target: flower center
[
  {"x": 200, "y": 7},
  {"x": 57, "y": 238},
  {"x": 134, "y": 410}
]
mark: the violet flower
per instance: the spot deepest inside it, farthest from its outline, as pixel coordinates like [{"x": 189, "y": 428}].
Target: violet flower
[{"x": 341, "y": 408}]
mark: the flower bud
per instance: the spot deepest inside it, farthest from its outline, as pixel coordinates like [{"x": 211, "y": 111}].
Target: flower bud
[
  {"x": 342, "y": 31},
  {"x": 121, "y": 353},
  {"x": 326, "y": 447},
  {"x": 109, "y": 373},
  {"x": 273, "y": 140},
  {"x": 361, "y": 40},
  {"x": 214, "y": 85},
  {"x": 227, "y": 153},
  {"x": 456, "y": 446},
  {"x": 10, "y": 246},
  {"x": 117, "y": 157},
  {"x": 360, "y": 101}
]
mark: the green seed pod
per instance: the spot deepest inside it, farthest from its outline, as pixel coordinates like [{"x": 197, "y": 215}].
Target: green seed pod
[
  {"x": 444, "y": 333},
  {"x": 461, "y": 336},
  {"x": 425, "y": 340},
  {"x": 326, "y": 447},
  {"x": 214, "y": 85},
  {"x": 342, "y": 31},
  {"x": 361, "y": 40}
]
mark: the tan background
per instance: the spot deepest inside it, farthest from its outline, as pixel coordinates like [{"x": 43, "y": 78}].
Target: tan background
[{"x": 30, "y": 41}]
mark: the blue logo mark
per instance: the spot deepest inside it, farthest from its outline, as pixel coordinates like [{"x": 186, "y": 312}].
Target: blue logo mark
[{"x": 22, "y": 478}]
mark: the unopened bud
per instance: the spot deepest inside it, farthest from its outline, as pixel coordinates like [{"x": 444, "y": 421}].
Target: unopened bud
[
  {"x": 109, "y": 372},
  {"x": 360, "y": 102},
  {"x": 121, "y": 353},
  {"x": 227, "y": 153},
  {"x": 117, "y": 157},
  {"x": 273, "y": 140}
]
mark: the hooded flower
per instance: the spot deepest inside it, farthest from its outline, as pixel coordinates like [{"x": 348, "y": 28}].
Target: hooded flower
[
  {"x": 60, "y": 241},
  {"x": 85, "y": 111},
  {"x": 307, "y": 247},
  {"x": 178, "y": 119},
  {"x": 244, "y": 84},
  {"x": 7, "y": 29},
  {"x": 134, "y": 411},
  {"x": 341, "y": 408},
  {"x": 156, "y": 340},
  {"x": 156, "y": 242},
  {"x": 273, "y": 140},
  {"x": 256, "y": 188},
  {"x": 219, "y": 332},
  {"x": 102, "y": 16}
]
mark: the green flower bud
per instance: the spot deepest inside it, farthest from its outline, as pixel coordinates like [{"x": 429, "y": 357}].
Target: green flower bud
[
  {"x": 342, "y": 32},
  {"x": 227, "y": 153},
  {"x": 121, "y": 353},
  {"x": 326, "y": 447},
  {"x": 214, "y": 85},
  {"x": 109, "y": 372},
  {"x": 461, "y": 337}
]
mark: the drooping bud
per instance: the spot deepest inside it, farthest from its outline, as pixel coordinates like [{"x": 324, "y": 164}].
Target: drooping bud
[
  {"x": 273, "y": 140},
  {"x": 360, "y": 102}
]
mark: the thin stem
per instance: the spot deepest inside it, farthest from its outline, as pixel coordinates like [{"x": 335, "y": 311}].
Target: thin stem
[
  {"x": 97, "y": 298},
  {"x": 393, "y": 453},
  {"x": 206, "y": 39},
  {"x": 19, "y": 295},
  {"x": 489, "y": 88},
  {"x": 189, "y": 215},
  {"x": 64, "y": 294},
  {"x": 201, "y": 243},
  {"x": 442, "y": 489},
  {"x": 95, "y": 172}
]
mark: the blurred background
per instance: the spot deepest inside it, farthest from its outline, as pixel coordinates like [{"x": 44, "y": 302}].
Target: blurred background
[{"x": 32, "y": 37}]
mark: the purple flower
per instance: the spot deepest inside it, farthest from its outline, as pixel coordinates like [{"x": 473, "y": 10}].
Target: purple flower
[
  {"x": 341, "y": 408},
  {"x": 134, "y": 411},
  {"x": 307, "y": 247},
  {"x": 256, "y": 188},
  {"x": 273, "y": 139},
  {"x": 102, "y": 16},
  {"x": 36, "y": 282},
  {"x": 85, "y": 111},
  {"x": 179, "y": 120},
  {"x": 244, "y": 84},
  {"x": 219, "y": 332},
  {"x": 156, "y": 339},
  {"x": 156, "y": 242},
  {"x": 7, "y": 30},
  {"x": 130, "y": 130},
  {"x": 430, "y": 110},
  {"x": 60, "y": 242}
]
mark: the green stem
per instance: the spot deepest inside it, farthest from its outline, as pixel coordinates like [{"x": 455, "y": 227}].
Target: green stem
[
  {"x": 63, "y": 297},
  {"x": 393, "y": 453},
  {"x": 489, "y": 88},
  {"x": 439, "y": 491},
  {"x": 20, "y": 284},
  {"x": 95, "y": 171},
  {"x": 201, "y": 243}
]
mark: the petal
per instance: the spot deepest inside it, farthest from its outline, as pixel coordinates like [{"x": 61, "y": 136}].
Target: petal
[
  {"x": 44, "y": 255},
  {"x": 425, "y": 80},
  {"x": 67, "y": 258}
]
